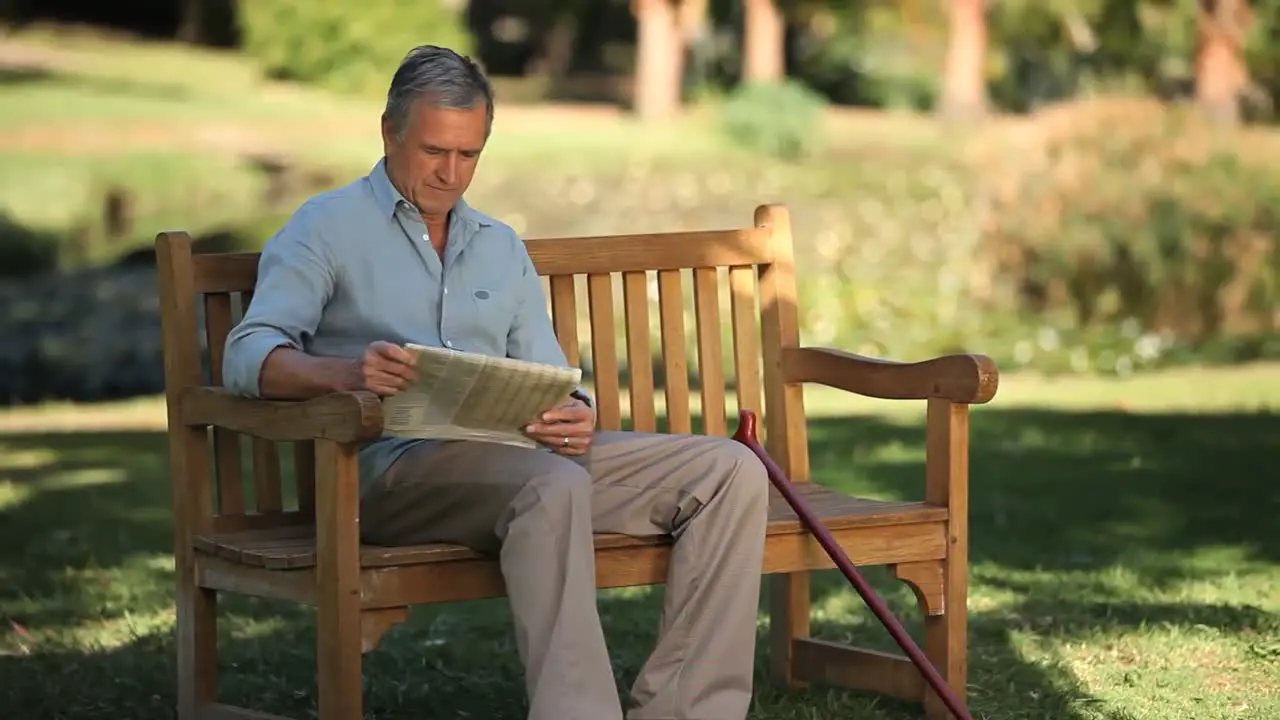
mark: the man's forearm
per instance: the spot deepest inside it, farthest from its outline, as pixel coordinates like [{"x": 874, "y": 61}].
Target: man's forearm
[{"x": 289, "y": 374}]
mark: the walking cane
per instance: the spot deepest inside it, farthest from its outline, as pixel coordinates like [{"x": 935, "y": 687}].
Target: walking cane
[{"x": 746, "y": 434}]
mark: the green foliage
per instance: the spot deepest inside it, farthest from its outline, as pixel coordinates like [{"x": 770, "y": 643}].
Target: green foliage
[
  {"x": 1108, "y": 236},
  {"x": 343, "y": 45},
  {"x": 1129, "y": 213},
  {"x": 781, "y": 119}
]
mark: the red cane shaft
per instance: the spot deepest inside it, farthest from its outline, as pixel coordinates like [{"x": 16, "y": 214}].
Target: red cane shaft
[{"x": 746, "y": 435}]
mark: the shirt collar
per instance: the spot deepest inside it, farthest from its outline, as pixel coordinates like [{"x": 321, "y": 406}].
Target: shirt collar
[{"x": 389, "y": 199}]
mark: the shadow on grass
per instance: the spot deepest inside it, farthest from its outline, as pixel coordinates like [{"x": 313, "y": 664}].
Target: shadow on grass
[
  {"x": 143, "y": 89},
  {"x": 1055, "y": 491},
  {"x": 1059, "y": 500}
]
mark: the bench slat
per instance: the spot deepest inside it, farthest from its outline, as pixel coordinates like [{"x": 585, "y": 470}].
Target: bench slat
[
  {"x": 294, "y": 547},
  {"x": 635, "y": 301},
  {"x": 675, "y": 360},
  {"x": 706, "y": 303},
  {"x": 564, "y": 312},
  {"x": 604, "y": 351},
  {"x": 267, "y": 491},
  {"x": 659, "y": 251},
  {"x": 226, "y": 443},
  {"x": 746, "y": 337}
]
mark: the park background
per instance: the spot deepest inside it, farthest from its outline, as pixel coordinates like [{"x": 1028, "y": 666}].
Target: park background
[{"x": 1086, "y": 190}]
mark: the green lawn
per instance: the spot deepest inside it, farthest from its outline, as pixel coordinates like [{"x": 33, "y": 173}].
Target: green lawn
[{"x": 1126, "y": 560}]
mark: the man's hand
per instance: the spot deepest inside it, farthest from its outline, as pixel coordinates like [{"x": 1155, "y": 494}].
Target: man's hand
[
  {"x": 386, "y": 368},
  {"x": 567, "y": 429}
]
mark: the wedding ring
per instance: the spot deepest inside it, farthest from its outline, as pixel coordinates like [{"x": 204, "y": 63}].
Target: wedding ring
[{"x": 566, "y": 442}]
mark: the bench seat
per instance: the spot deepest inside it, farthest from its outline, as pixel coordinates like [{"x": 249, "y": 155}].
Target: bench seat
[{"x": 872, "y": 532}]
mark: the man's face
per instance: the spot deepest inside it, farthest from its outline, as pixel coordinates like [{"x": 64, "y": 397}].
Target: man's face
[{"x": 437, "y": 156}]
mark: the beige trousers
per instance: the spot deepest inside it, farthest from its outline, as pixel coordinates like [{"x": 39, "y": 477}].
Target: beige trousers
[{"x": 536, "y": 511}]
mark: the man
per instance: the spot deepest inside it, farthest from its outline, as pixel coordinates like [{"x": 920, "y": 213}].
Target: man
[{"x": 398, "y": 256}]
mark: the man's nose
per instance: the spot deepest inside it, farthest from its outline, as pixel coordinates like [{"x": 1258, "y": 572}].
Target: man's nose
[{"x": 448, "y": 169}]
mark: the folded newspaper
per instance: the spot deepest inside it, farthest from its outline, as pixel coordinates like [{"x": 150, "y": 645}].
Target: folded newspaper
[{"x": 471, "y": 396}]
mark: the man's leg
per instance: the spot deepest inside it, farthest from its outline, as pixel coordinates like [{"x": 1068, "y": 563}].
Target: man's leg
[
  {"x": 533, "y": 510},
  {"x": 712, "y": 495}
]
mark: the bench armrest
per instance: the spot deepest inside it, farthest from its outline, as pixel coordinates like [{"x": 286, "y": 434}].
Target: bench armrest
[
  {"x": 345, "y": 417},
  {"x": 968, "y": 379}
]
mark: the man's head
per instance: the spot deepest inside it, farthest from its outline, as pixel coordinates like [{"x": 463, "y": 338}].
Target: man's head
[{"x": 438, "y": 117}]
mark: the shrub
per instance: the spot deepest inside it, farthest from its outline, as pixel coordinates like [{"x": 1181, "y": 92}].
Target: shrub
[
  {"x": 781, "y": 119},
  {"x": 1130, "y": 212},
  {"x": 343, "y": 45}
]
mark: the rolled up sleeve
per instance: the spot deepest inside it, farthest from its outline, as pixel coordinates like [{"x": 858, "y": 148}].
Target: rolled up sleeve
[
  {"x": 295, "y": 281},
  {"x": 532, "y": 336}
]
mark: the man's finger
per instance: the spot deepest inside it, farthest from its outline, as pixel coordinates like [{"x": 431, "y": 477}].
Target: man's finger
[
  {"x": 560, "y": 430},
  {"x": 387, "y": 380},
  {"x": 576, "y": 446},
  {"x": 397, "y": 369},
  {"x": 393, "y": 352},
  {"x": 568, "y": 413}
]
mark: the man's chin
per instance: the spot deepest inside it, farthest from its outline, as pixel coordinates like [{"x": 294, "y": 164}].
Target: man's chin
[{"x": 436, "y": 202}]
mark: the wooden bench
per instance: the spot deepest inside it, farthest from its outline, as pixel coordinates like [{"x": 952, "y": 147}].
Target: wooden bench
[{"x": 231, "y": 538}]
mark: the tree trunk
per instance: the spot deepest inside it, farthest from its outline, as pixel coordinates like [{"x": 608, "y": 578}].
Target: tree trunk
[
  {"x": 191, "y": 26},
  {"x": 659, "y": 60},
  {"x": 964, "y": 83},
  {"x": 1221, "y": 74},
  {"x": 554, "y": 58},
  {"x": 764, "y": 42}
]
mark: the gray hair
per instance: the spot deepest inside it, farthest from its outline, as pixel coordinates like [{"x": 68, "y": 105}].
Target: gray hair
[{"x": 444, "y": 77}]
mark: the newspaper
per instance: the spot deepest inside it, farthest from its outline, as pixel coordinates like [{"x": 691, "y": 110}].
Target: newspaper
[{"x": 471, "y": 396}]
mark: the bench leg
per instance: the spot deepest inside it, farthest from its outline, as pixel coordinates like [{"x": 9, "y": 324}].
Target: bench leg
[
  {"x": 941, "y": 587},
  {"x": 940, "y": 591},
  {"x": 340, "y": 658},
  {"x": 947, "y": 484},
  {"x": 339, "y": 636},
  {"x": 788, "y": 622},
  {"x": 197, "y": 639}
]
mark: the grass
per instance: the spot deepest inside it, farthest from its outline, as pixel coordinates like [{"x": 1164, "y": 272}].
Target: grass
[
  {"x": 171, "y": 123},
  {"x": 1125, "y": 566}
]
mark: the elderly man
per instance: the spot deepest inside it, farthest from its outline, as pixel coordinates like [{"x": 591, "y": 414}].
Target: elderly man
[{"x": 396, "y": 257}]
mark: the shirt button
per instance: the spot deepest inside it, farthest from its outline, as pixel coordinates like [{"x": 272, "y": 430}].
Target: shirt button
[
  {"x": 426, "y": 238},
  {"x": 446, "y": 291},
  {"x": 448, "y": 344}
]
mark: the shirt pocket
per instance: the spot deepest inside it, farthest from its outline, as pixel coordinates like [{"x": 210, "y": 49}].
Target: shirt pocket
[{"x": 494, "y": 304}]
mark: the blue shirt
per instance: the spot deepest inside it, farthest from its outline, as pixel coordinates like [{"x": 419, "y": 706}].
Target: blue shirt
[{"x": 354, "y": 265}]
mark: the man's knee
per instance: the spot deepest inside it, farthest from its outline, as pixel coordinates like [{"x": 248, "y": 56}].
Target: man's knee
[
  {"x": 745, "y": 476},
  {"x": 560, "y": 491}
]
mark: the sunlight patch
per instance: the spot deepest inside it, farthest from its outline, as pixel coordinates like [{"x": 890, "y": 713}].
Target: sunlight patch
[
  {"x": 12, "y": 494},
  {"x": 637, "y": 592},
  {"x": 244, "y": 628},
  {"x": 159, "y": 562},
  {"x": 12, "y": 458},
  {"x": 837, "y": 607},
  {"x": 110, "y": 634},
  {"x": 85, "y": 477}
]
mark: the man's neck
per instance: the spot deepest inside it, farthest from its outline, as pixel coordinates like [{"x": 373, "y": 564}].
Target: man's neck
[
  {"x": 437, "y": 231},
  {"x": 433, "y": 221}
]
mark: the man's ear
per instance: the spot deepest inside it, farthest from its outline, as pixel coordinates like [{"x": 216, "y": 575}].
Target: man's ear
[{"x": 387, "y": 132}]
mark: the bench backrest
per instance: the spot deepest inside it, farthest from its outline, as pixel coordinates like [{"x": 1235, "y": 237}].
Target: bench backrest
[{"x": 691, "y": 281}]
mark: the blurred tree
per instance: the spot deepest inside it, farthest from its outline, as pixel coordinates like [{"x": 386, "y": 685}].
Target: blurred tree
[
  {"x": 764, "y": 45},
  {"x": 964, "y": 77},
  {"x": 659, "y": 66},
  {"x": 1221, "y": 73},
  {"x": 207, "y": 22},
  {"x": 557, "y": 36}
]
